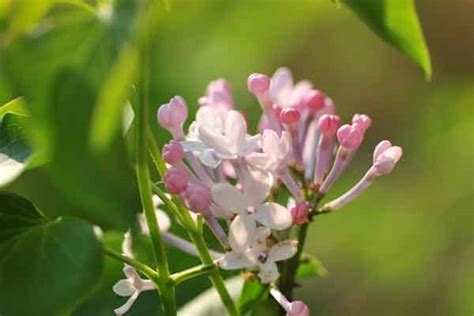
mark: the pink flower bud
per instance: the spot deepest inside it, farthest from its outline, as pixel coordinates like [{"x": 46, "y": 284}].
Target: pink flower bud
[
  {"x": 328, "y": 124},
  {"x": 197, "y": 197},
  {"x": 172, "y": 115},
  {"x": 297, "y": 308},
  {"x": 289, "y": 115},
  {"x": 258, "y": 84},
  {"x": 314, "y": 100},
  {"x": 299, "y": 212},
  {"x": 176, "y": 180},
  {"x": 350, "y": 136},
  {"x": 362, "y": 120},
  {"x": 173, "y": 152},
  {"x": 386, "y": 157}
]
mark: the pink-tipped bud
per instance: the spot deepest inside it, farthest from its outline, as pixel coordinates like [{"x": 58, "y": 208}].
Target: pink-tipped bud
[
  {"x": 350, "y": 136},
  {"x": 314, "y": 100},
  {"x": 197, "y": 197},
  {"x": 176, "y": 180},
  {"x": 328, "y": 124},
  {"x": 289, "y": 115},
  {"x": 297, "y": 308},
  {"x": 173, "y": 152},
  {"x": 258, "y": 84},
  {"x": 362, "y": 120},
  {"x": 172, "y": 115},
  {"x": 386, "y": 157},
  {"x": 299, "y": 212}
]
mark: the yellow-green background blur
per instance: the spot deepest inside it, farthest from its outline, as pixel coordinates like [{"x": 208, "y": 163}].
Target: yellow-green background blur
[{"x": 406, "y": 246}]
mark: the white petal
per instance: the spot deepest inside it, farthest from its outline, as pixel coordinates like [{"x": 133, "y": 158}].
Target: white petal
[
  {"x": 235, "y": 131},
  {"x": 299, "y": 90},
  {"x": 233, "y": 260},
  {"x": 283, "y": 250},
  {"x": 124, "y": 287},
  {"x": 268, "y": 272},
  {"x": 208, "y": 158},
  {"x": 241, "y": 232},
  {"x": 192, "y": 145},
  {"x": 270, "y": 142},
  {"x": 274, "y": 216},
  {"x": 250, "y": 145},
  {"x": 259, "y": 160},
  {"x": 213, "y": 138},
  {"x": 125, "y": 307},
  {"x": 228, "y": 197},
  {"x": 256, "y": 187},
  {"x": 156, "y": 201},
  {"x": 281, "y": 84},
  {"x": 130, "y": 273},
  {"x": 284, "y": 146}
]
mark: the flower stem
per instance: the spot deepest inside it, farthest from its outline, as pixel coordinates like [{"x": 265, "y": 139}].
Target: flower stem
[
  {"x": 145, "y": 269},
  {"x": 165, "y": 287},
  {"x": 291, "y": 266},
  {"x": 206, "y": 259},
  {"x": 191, "y": 273}
]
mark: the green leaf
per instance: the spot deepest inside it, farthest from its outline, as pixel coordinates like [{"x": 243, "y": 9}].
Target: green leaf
[
  {"x": 46, "y": 267},
  {"x": 396, "y": 22},
  {"x": 108, "y": 113},
  {"x": 252, "y": 293},
  {"x": 15, "y": 154},
  {"x": 74, "y": 57},
  {"x": 310, "y": 266}
]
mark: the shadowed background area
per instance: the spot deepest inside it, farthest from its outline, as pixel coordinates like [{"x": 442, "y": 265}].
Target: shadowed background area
[{"x": 406, "y": 246}]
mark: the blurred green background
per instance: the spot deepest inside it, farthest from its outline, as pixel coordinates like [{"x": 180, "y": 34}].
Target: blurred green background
[{"x": 406, "y": 246}]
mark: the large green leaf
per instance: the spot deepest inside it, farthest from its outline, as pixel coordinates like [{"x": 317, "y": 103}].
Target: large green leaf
[
  {"x": 395, "y": 21},
  {"x": 59, "y": 72},
  {"x": 15, "y": 154},
  {"x": 46, "y": 267}
]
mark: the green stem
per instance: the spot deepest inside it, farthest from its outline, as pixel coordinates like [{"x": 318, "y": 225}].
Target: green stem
[
  {"x": 291, "y": 266},
  {"x": 155, "y": 153},
  {"x": 191, "y": 273},
  {"x": 149, "y": 272},
  {"x": 166, "y": 288},
  {"x": 206, "y": 259}
]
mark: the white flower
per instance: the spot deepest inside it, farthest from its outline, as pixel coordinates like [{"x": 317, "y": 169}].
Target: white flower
[
  {"x": 259, "y": 255},
  {"x": 250, "y": 207},
  {"x": 282, "y": 90},
  {"x": 132, "y": 286},
  {"x": 161, "y": 216},
  {"x": 275, "y": 153},
  {"x": 219, "y": 134}
]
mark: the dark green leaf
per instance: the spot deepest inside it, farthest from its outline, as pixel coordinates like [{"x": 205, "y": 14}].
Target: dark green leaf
[
  {"x": 76, "y": 52},
  {"x": 253, "y": 292},
  {"x": 46, "y": 267},
  {"x": 310, "y": 267},
  {"x": 395, "y": 21}
]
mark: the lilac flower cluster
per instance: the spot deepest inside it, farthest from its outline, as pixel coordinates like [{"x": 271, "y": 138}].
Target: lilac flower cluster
[{"x": 222, "y": 172}]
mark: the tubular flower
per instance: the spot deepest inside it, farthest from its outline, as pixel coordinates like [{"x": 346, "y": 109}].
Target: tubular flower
[{"x": 226, "y": 174}]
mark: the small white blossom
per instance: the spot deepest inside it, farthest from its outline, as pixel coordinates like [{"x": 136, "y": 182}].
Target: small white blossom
[
  {"x": 219, "y": 134},
  {"x": 259, "y": 255},
  {"x": 275, "y": 153},
  {"x": 132, "y": 286},
  {"x": 250, "y": 207}
]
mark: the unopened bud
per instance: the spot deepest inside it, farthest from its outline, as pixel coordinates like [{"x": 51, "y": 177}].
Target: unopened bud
[
  {"x": 258, "y": 84},
  {"x": 350, "y": 136},
  {"x": 173, "y": 152},
  {"x": 176, "y": 180}
]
